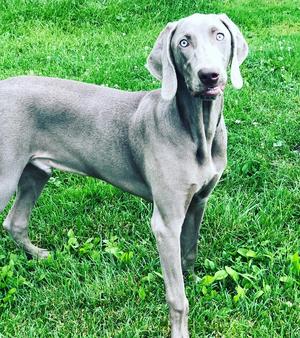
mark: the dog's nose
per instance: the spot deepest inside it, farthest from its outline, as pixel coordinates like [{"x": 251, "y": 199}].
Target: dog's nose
[{"x": 208, "y": 77}]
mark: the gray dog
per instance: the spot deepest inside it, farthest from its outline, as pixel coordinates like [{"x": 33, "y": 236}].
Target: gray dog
[{"x": 167, "y": 146}]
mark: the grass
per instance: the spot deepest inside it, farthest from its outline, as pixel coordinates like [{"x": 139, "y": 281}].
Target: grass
[{"x": 104, "y": 276}]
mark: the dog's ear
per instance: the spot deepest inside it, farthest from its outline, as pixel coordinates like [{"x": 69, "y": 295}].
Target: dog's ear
[
  {"x": 160, "y": 63},
  {"x": 239, "y": 51}
]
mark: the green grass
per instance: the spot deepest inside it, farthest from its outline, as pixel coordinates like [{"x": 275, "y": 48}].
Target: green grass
[{"x": 110, "y": 286}]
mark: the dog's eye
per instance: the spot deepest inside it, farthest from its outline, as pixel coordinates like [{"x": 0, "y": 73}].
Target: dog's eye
[
  {"x": 184, "y": 43},
  {"x": 220, "y": 36}
]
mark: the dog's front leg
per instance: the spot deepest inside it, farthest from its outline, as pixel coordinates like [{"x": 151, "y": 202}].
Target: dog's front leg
[
  {"x": 190, "y": 233},
  {"x": 166, "y": 226}
]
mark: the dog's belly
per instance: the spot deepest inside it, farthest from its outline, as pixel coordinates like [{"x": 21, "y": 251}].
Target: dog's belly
[
  {"x": 128, "y": 179},
  {"x": 45, "y": 163}
]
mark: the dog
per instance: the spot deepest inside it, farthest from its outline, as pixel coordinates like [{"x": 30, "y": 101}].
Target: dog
[{"x": 167, "y": 145}]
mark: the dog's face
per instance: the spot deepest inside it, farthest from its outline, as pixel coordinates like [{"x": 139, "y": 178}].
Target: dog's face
[{"x": 199, "y": 48}]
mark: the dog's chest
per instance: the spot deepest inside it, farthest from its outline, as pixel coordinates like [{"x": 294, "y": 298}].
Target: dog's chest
[{"x": 208, "y": 172}]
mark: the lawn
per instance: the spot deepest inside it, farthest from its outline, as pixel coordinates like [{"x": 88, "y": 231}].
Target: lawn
[{"x": 104, "y": 277}]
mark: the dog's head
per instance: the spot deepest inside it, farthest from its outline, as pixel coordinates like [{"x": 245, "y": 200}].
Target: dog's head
[{"x": 198, "y": 48}]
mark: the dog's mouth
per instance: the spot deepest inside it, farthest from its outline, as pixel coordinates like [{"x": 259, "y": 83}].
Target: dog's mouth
[{"x": 209, "y": 93}]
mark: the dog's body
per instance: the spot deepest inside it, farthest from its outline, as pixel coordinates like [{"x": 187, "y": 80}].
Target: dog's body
[
  {"x": 167, "y": 146},
  {"x": 72, "y": 126}
]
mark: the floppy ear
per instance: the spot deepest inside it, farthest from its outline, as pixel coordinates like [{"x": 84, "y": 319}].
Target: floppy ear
[
  {"x": 160, "y": 64},
  {"x": 239, "y": 51}
]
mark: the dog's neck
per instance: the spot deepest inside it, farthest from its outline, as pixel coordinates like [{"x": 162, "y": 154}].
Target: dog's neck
[{"x": 200, "y": 118}]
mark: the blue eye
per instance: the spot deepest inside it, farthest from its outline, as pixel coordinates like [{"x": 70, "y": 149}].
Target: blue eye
[
  {"x": 184, "y": 43},
  {"x": 220, "y": 36}
]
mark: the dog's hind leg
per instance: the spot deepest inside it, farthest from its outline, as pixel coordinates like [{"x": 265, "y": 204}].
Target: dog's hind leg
[
  {"x": 8, "y": 186},
  {"x": 29, "y": 189}
]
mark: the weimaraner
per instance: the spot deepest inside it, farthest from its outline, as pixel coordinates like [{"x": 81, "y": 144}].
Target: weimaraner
[{"x": 167, "y": 145}]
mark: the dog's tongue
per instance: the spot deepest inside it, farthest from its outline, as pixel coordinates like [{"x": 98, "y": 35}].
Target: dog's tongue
[{"x": 212, "y": 91}]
